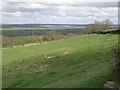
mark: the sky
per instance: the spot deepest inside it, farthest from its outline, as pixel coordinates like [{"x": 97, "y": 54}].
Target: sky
[{"x": 58, "y": 11}]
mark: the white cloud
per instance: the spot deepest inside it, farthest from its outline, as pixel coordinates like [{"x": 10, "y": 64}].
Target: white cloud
[
  {"x": 64, "y": 12},
  {"x": 61, "y": 1},
  {"x": 33, "y": 5},
  {"x": 13, "y": 14}
]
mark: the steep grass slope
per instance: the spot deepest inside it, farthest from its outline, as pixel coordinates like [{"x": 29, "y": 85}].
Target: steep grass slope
[{"x": 88, "y": 63}]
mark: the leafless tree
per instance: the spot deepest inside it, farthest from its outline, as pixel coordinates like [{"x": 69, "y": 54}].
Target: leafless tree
[{"x": 98, "y": 26}]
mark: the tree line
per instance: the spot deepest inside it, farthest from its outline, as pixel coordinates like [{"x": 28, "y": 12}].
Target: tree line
[{"x": 98, "y": 26}]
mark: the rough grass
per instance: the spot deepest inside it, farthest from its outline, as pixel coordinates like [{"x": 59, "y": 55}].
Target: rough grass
[
  {"x": 89, "y": 63},
  {"x": 8, "y": 42}
]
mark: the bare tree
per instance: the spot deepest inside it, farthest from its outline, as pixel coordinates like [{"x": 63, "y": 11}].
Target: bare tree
[
  {"x": 98, "y": 26},
  {"x": 97, "y": 22},
  {"x": 107, "y": 23}
]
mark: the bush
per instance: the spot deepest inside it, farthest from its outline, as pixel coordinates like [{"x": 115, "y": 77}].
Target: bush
[
  {"x": 116, "y": 55},
  {"x": 116, "y": 52},
  {"x": 52, "y": 35},
  {"x": 14, "y": 41}
]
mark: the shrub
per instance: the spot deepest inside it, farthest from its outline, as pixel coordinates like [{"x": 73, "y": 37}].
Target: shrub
[{"x": 116, "y": 55}]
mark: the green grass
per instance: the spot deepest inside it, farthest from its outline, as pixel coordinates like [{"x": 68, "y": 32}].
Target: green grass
[
  {"x": 110, "y": 30},
  {"x": 89, "y": 63}
]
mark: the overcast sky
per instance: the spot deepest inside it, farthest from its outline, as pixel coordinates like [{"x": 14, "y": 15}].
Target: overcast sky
[{"x": 58, "y": 11}]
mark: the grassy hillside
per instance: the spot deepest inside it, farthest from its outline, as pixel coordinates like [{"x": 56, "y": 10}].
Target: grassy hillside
[{"x": 88, "y": 63}]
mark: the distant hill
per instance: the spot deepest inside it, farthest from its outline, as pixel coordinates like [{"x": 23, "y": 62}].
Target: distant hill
[{"x": 38, "y": 25}]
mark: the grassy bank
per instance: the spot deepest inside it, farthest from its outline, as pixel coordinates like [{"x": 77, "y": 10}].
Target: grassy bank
[{"x": 88, "y": 63}]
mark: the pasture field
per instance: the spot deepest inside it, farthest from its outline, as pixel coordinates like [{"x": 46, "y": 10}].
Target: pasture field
[
  {"x": 36, "y": 30},
  {"x": 88, "y": 63},
  {"x": 13, "y": 32}
]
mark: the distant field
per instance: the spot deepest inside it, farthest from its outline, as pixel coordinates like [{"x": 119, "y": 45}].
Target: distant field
[
  {"x": 88, "y": 63},
  {"x": 40, "y": 28},
  {"x": 41, "y": 25},
  {"x": 38, "y": 31},
  {"x": 45, "y": 27},
  {"x": 34, "y": 28},
  {"x": 30, "y": 30}
]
